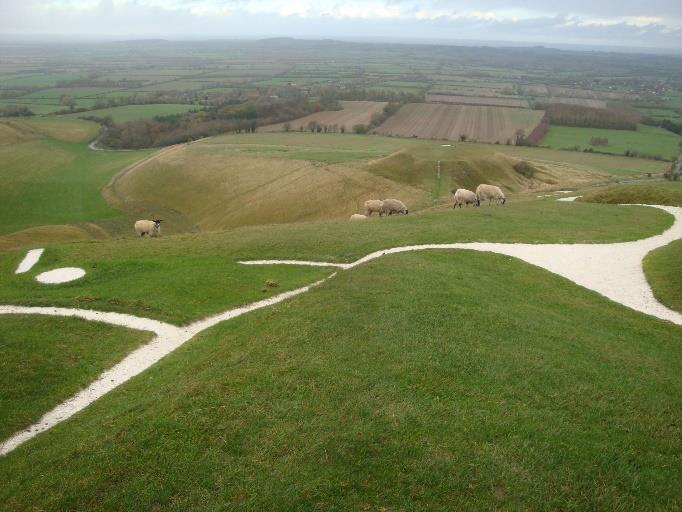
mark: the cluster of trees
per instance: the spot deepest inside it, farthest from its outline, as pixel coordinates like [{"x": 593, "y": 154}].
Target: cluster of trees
[
  {"x": 667, "y": 124},
  {"x": 377, "y": 119},
  {"x": 599, "y": 141},
  {"x": 389, "y": 95},
  {"x": 15, "y": 111},
  {"x": 174, "y": 129},
  {"x": 534, "y": 137},
  {"x": 588, "y": 117}
]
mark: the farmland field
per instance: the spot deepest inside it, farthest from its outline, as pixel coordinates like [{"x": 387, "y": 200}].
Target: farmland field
[
  {"x": 583, "y": 102},
  {"x": 476, "y": 100},
  {"x": 646, "y": 140},
  {"x": 134, "y": 112},
  {"x": 482, "y": 124},
  {"x": 353, "y": 113}
]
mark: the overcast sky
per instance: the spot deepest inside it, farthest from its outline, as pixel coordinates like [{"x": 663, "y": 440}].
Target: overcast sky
[{"x": 635, "y": 23}]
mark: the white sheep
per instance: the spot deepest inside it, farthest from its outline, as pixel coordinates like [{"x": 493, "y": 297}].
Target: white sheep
[
  {"x": 465, "y": 197},
  {"x": 392, "y": 206},
  {"x": 373, "y": 206},
  {"x": 357, "y": 216},
  {"x": 148, "y": 227},
  {"x": 490, "y": 193}
]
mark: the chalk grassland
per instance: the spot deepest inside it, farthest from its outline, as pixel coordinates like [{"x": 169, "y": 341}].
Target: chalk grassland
[
  {"x": 482, "y": 124},
  {"x": 647, "y": 140},
  {"x": 46, "y": 360},
  {"x": 668, "y": 193},
  {"x": 136, "y": 112},
  {"x": 381, "y": 390},
  {"x": 51, "y": 177},
  {"x": 353, "y": 113},
  {"x": 476, "y": 100}
]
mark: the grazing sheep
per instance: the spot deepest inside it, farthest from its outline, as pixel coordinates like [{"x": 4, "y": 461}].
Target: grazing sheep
[
  {"x": 357, "y": 216},
  {"x": 148, "y": 227},
  {"x": 490, "y": 193},
  {"x": 465, "y": 197},
  {"x": 392, "y": 206},
  {"x": 373, "y": 206}
]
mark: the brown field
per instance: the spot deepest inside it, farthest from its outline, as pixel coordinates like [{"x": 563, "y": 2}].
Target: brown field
[
  {"x": 482, "y": 124},
  {"x": 476, "y": 100},
  {"x": 465, "y": 90},
  {"x": 354, "y": 112}
]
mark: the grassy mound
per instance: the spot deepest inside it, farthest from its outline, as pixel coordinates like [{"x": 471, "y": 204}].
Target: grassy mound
[
  {"x": 49, "y": 176},
  {"x": 663, "y": 268},
  {"x": 664, "y": 192},
  {"x": 439, "y": 381},
  {"x": 46, "y": 360},
  {"x": 182, "y": 278}
]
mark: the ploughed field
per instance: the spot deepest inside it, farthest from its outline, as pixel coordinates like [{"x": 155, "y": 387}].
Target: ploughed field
[
  {"x": 353, "y": 113},
  {"x": 482, "y": 124}
]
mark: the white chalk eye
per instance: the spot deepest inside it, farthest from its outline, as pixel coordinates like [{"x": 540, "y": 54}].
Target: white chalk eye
[{"x": 56, "y": 276}]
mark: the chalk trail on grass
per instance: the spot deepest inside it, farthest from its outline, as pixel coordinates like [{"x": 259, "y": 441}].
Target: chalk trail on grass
[
  {"x": 613, "y": 270},
  {"x": 167, "y": 339}
]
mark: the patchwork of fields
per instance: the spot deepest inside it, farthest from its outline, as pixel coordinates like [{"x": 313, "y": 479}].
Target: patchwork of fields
[
  {"x": 477, "y": 100},
  {"x": 450, "y": 122},
  {"x": 353, "y": 113}
]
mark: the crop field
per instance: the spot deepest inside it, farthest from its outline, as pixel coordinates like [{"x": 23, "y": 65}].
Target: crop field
[
  {"x": 126, "y": 113},
  {"x": 449, "y": 122},
  {"x": 353, "y": 113},
  {"x": 583, "y": 102},
  {"x": 477, "y": 100},
  {"x": 647, "y": 140}
]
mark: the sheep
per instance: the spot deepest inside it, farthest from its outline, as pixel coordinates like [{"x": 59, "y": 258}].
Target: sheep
[
  {"x": 357, "y": 216},
  {"x": 372, "y": 206},
  {"x": 392, "y": 206},
  {"x": 148, "y": 227},
  {"x": 465, "y": 197},
  {"x": 490, "y": 193}
]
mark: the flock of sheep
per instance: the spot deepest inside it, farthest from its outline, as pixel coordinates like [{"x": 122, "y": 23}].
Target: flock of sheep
[{"x": 462, "y": 196}]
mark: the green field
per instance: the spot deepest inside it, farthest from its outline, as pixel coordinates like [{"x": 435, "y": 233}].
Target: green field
[
  {"x": 136, "y": 112},
  {"x": 667, "y": 193},
  {"x": 51, "y": 177},
  {"x": 440, "y": 397},
  {"x": 646, "y": 140}
]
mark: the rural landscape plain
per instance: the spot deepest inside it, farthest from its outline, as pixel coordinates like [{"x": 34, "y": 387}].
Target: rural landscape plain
[{"x": 305, "y": 273}]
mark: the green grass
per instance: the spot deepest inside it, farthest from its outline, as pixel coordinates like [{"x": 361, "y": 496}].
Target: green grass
[
  {"x": 186, "y": 277},
  {"x": 431, "y": 381},
  {"x": 43, "y": 361},
  {"x": 50, "y": 181},
  {"x": 662, "y": 268},
  {"x": 136, "y": 112},
  {"x": 647, "y": 140},
  {"x": 662, "y": 192}
]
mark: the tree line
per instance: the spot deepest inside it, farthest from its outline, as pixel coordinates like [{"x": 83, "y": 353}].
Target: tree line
[{"x": 588, "y": 117}]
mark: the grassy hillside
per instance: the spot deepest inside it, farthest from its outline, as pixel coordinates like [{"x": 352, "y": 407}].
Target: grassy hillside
[
  {"x": 662, "y": 268},
  {"x": 40, "y": 368},
  {"x": 647, "y": 140},
  {"x": 50, "y": 176},
  {"x": 182, "y": 278},
  {"x": 662, "y": 192},
  {"x": 467, "y": 381},
  {"x": 237, "y": 180}
]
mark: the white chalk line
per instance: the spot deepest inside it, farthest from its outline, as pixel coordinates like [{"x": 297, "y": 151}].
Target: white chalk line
[
  {"x": 167, "y": 338},
  {"x": 32, "y": 257},
  {"x": 613, "y": 270}
]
